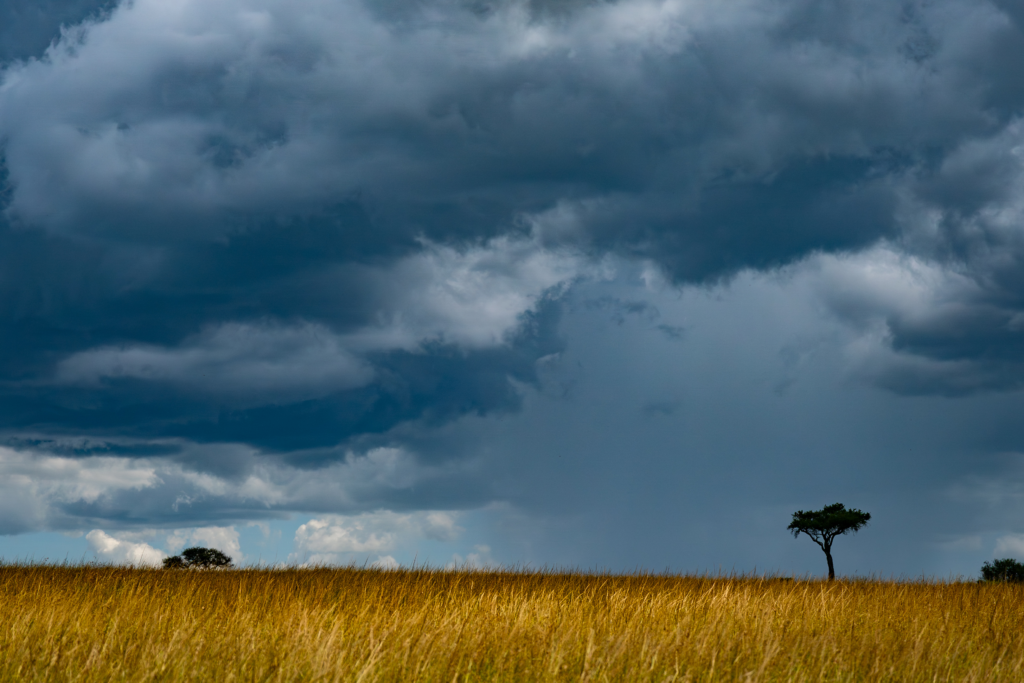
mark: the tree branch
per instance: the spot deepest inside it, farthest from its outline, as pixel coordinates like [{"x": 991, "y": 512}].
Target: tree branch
[{"x": 813, "y": 538}]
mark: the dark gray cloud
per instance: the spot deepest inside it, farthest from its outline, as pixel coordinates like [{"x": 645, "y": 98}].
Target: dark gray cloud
[
  {"x": 268, "y": 147},
  {"x": 635, "y": 447},
  {"x": 246, "y": 156},
  {"x": 256, "y": 232},
  {"x": 28, "y": 27},
  {"x": 608, "y": 476}
]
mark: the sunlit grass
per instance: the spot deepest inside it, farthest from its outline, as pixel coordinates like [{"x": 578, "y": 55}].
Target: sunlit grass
[{"x": 107, "y": 623}]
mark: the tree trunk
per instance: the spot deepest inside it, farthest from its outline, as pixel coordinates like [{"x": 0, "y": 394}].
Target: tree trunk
[{"x": 831, "y": 569}]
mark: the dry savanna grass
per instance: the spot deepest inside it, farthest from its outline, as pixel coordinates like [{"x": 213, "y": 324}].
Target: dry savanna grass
[{"x": 122, "y": 624}]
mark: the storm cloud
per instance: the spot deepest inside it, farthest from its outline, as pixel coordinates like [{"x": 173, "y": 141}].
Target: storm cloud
[{"x": 248, "y": 246}]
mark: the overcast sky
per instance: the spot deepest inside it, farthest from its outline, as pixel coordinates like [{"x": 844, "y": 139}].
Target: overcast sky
[{"x": 605, "y": 284}]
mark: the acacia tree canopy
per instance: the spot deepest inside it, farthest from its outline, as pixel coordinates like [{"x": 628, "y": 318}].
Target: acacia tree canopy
[{"x": 822, "y": 526}]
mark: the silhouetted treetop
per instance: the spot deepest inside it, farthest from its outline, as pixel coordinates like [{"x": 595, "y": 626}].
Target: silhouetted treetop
[
  {"x": 198, "y": 558},
  {"x": 1006, "y": 569}
]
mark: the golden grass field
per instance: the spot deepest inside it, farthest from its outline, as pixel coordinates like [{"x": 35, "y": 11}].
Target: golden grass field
[{"x": 121, "y": 624}]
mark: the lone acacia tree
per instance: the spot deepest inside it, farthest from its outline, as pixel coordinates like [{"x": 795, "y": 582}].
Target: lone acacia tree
[
  {"x": 197, "y": 558},
  {"x": 822, "y": 526}
]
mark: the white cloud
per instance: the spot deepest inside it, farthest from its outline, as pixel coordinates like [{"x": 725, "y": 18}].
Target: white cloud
[
  {"x": 72, "y": 479},
  {"x": 243, "y": 362},
  {"x": 903, "y": 320},
  {"x": 878, "y": 283},
  {"x": 34, "y": 486},
  {"x": 344, "y": 539},
  {"x": 481, "y": 559},
  {"x": 111, "y": 549},
  {"x": 1011, "y": 545},
  {"x": 342, "y": 483},
  {"x": 385, "y": 562},
  {"x": 473, "y": 297},
  {"x": 42, "y": 491}
]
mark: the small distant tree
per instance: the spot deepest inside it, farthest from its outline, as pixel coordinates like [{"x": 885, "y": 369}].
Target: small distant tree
[
  {"x": 822, "y": 526},
  {"x": 1006, "y": 569},
  {"x": 198, "y": 558}
]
